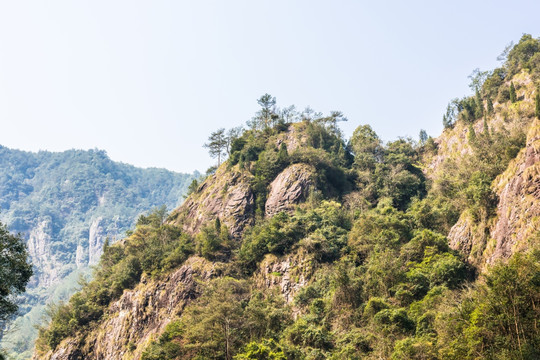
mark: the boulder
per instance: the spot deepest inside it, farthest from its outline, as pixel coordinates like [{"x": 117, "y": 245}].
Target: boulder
[{"x": 289, "y": 188}]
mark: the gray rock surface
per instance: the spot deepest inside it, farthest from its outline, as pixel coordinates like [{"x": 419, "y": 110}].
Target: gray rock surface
[{"x": 289, "y": 188}]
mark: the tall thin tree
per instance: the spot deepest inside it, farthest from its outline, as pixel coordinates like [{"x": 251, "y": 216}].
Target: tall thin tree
[
  {"x": 513, "y": 96},
  {"x": 217, "y": 144}
]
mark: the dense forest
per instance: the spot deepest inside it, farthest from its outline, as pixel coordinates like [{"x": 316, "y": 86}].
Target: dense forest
[
  {"x": 65, "y": 205},
  {"x": 364, "y": 263}
]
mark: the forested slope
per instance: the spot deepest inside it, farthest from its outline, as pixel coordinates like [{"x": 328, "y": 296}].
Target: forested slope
[
  {"x": 305, "y": 245},
  {"x": 65, "y": 205}
]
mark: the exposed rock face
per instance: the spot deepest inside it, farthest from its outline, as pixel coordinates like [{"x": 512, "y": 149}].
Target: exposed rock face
[
  {"x": 461, "y": 237},
  {"x": 39, "y": 248},
  {"x": 96, "y": 238},
  {"x": 227, "y": 195},
  {"x": 518, "y": 188},
  {"x": 288, "y": 273},
  {"x": 293, "y": 138},
  {"x": 469, "y": 239},
  {"x": 289, "y": 188},
  {"x": 518, "y": 211},
  {"x": 137, "y": 316},
  {"x": 507, "y": 117}
]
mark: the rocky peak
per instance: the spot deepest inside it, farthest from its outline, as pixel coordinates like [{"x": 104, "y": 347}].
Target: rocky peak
[
  {"x": 293, "y": 138},
  {"x": 227, "y": 194}
]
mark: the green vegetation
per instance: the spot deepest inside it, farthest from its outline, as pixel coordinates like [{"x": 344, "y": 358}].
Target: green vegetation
[
  {"x": 15, "y": 271},
  {"x": 71, "y": 202},
  {"x": 217, "y": 143},
  {"x": 497, "y": 319},
  {"x": 152, "y": 248},
  {"x": 369, "y": 272}
]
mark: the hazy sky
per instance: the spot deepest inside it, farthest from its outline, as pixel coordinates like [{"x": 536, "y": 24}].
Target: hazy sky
[{"x": 147, "y": 81}]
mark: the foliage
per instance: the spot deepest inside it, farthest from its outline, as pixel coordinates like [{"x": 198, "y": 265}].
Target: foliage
[
  {"x": 61, "y": 196},
  {"x": 212, "y": 241},
  {"x": 224, "y": 318},
  {"x": 513, "y": 96},
  {"x": 268, "y": 349},
  {"x": 523, "y": 55},
  {"x": 537, "y": 104},
  {"x": 364, "y": 257},
  {"x": 498, "y": 318},
  {"x": 15, "y": 271},
  {"x": 153, "y": 247},
  {"x": 323, "y": 230},
  {"x": 217, "y": 144},
  {"x": 386, "y": 171}
]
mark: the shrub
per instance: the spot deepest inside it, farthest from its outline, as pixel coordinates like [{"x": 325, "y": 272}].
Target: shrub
[{"x": 268, "y": 349}]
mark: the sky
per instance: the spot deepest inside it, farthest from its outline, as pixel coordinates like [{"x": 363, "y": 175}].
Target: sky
[{"x": 147, "y": 81}]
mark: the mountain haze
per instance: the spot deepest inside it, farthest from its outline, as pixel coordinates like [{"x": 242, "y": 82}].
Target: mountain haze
[{"x": 66, "y": 205}]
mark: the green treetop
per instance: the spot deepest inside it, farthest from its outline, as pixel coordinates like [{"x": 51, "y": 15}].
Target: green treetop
[
  {"x": 15, "y": 271},
  {"x": 513, "y": 96}
]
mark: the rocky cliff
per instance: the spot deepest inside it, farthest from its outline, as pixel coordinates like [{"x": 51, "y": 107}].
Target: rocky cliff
[
  {"x": 226, "y": 195},
  {"x": 141, "y": 314},
  {"x": 289, "y": 188},
  {"x": 517, "y": 221},
  {"x": 304, "y": 245},
  {"x": 66, "y": 205},
  {"x": 138, "y": 316}
]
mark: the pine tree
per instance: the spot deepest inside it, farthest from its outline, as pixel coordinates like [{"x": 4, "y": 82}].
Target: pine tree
[
  {"x": 264, "y": 117},
  {"x": 283, "y": 154},
  {"x": 513, "y": 97},
  {"x": 471, "y": 136},
  {"x": 423, "y": 137},
  {"x": 217, "y": 144},
  {"x": 446, "y": 122},
  {"x": 451, "y": 113},
  {"x": 486, "y": 129},
  {"x": 479, "y": 104},
  {"x": 106, "y": 244},
  {"x": 489, "y": 106}
]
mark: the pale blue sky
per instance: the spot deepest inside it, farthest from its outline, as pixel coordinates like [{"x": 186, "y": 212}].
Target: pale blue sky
[{"x": 147, "y": 81}]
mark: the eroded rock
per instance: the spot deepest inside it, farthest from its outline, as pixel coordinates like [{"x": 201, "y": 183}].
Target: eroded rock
[
  {"x": 518, "y": 211},
  {"x": 289, "y": 188},
  {"x": 227, "y": 194},
  {"x": 517, "y": 222},
  {"x": 138, "y": 315}
]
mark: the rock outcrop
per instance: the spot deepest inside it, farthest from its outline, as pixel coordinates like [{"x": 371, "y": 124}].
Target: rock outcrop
[
  {"x": 287, "y": 273},
  {"x": 289, "y": 188},
  {"x": 518, "y": 211},
  {"x": 226, "y": 195},
  {"x": 138, "y": 316},
  {"x": 293, "y": 138}
]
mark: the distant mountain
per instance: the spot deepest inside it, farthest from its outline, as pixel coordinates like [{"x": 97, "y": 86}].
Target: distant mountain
[{"x": 66, "y": 205}]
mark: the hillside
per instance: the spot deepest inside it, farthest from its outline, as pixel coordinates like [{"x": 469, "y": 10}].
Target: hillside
[
  {"x": 65, "y": 205},
  {"x": 307, "y": 245}
]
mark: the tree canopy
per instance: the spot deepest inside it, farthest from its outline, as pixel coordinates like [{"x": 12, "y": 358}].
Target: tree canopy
[{"x": 15, "y": 271}]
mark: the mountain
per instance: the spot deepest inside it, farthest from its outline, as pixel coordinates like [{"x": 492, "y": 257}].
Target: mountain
[
  {"x": 307, "y": 245},
  {"x": 66, "y": 205}
]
